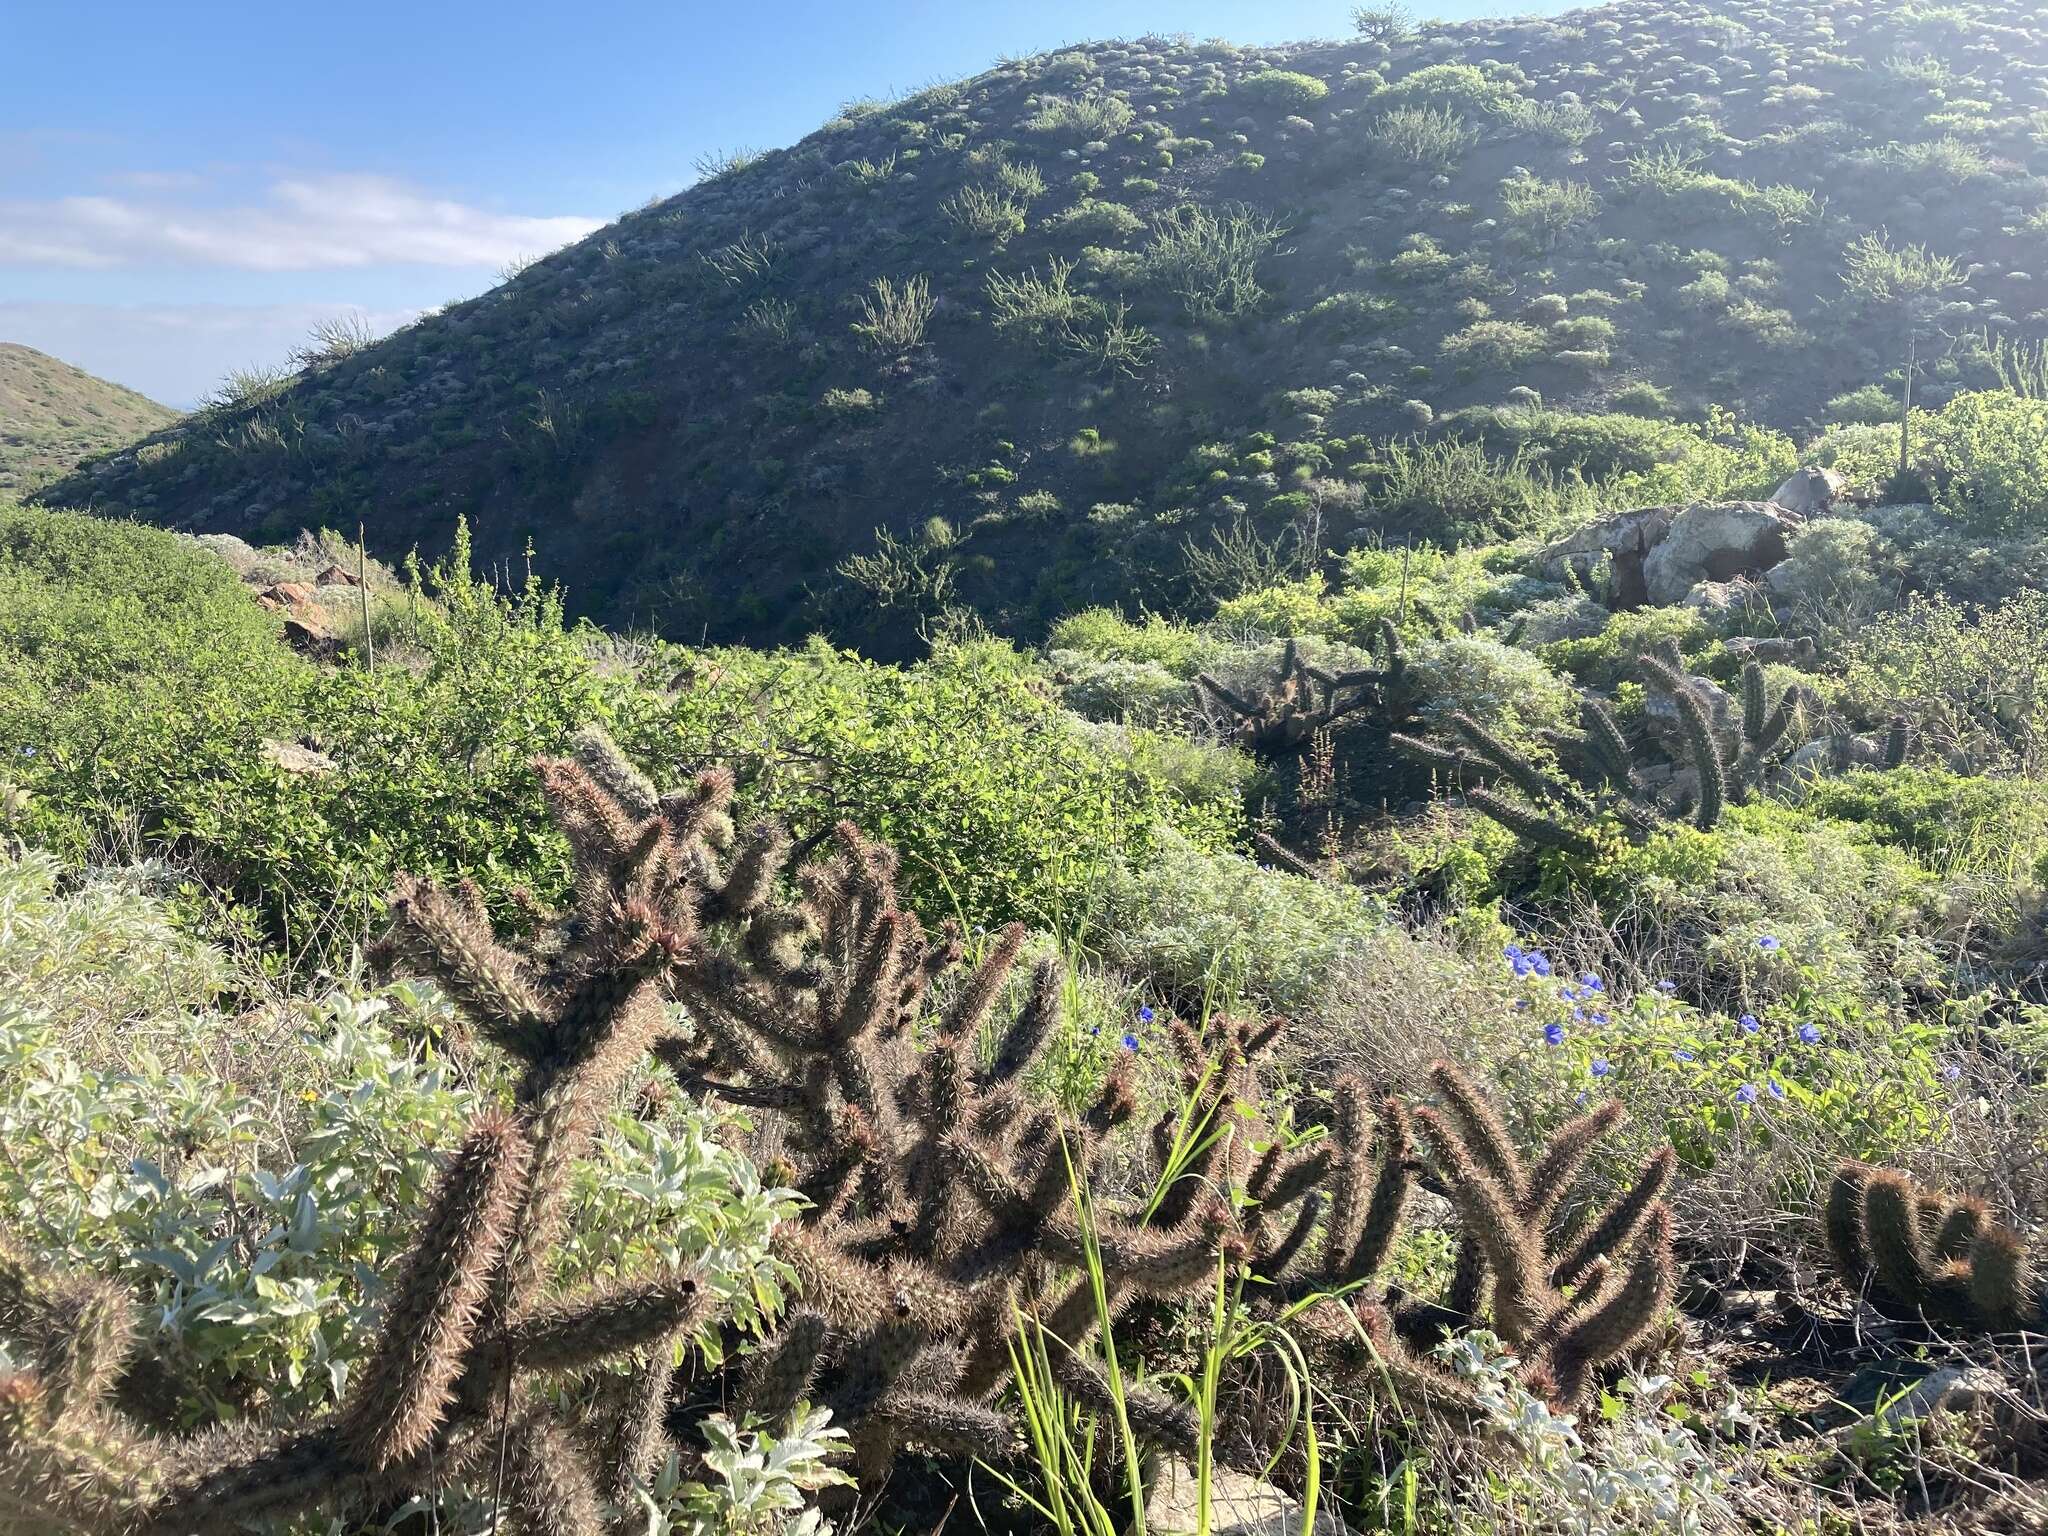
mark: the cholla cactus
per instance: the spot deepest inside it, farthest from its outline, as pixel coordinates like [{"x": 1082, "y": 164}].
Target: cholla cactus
[
  {"x": 1921, "y": 1253},
  {"x": 942, "y": 1206},
  {"x": 1601, "y": 778},
  {"x": 1301, "y": 699},
  {"x": 470, "y": 1322},
  {"x": 1553, "y": 810},
  {"x": 1511, "y": 1258}
]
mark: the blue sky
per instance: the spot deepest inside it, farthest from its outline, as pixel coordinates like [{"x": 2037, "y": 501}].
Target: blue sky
[{"x": 188, "y": 188}]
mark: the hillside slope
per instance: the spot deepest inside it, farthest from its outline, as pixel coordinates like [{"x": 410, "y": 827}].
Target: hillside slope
[
  {"x": 54, "y": 416},
  {"x": 1022, "y": 342}
]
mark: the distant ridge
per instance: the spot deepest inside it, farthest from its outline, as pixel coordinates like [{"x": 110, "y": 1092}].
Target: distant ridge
[
  {"x": 53, "y": 416},
  {"x": 1048, "y": 327}
]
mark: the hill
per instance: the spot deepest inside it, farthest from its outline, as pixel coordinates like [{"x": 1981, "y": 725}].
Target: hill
[
  {"x": 1126, "y": 322},
  {"x": 53, "y": 416}
]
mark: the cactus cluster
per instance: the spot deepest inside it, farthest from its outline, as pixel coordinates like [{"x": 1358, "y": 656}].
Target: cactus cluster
[
  {"x": 1302, "y": 699},
  {"x": 941, "y": 1218},
  {"x": 1919, "y": 1253},
  {"x": 473, "y": 1327},
  {"x": 1601, "y": 778},
  {"x": 1565, "y": 1299}
]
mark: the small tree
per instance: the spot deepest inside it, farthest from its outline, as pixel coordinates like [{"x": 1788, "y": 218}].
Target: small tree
[
  {"x": 1383, "y": 23},
  {"x": 1912, "y": 281}
]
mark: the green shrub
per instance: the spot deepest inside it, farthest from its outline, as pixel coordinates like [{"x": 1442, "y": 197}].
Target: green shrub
[
  {"x": 1033, "y": 813},
  {"x": 1216, "y": 928},
  {"x": 1838, "y": 574},
  {"x": 1382, "y": 23},
  {"x": 1974, "y": 681},
  {"x": 1081, "y": 117},
  {"x": 1382, "y": 581},
  {"x": 1429, "y": 139},
  {"x": 1868, "y": 405},
  {"x": 1955, "y": 824},
  {"x": 1117, "y": 689},
  {"x": 1565, "y": 123},
  {"x": 1495, "y": 344},
  {"x": 1281, "y": 88},
  {"x": 256, "y": 1181},
  {"x": 985, "y": 213},
  {"x": 156, "y": 714},
  {"x": 1281, "y": 609},
  {"x": 1987, "y": 456},
  {"x": 1456, "y": 490},
  {"x": 1209, "y": 257},
  {"x": 1460, "y": 87},
  {"x": 1106, "y": 634},
  {"x": 1636, "y": 461},
  {"x": 1673, "y": 179},
  {"x": 1604, "y": 660},
  {"x": 1095, "y": 219},
  {"x": 1643, "y": 398},
  {"x": 848, "y": 402},
  {"x": 1512, "y": 691},
  {"x": 1543, "y": 212}
]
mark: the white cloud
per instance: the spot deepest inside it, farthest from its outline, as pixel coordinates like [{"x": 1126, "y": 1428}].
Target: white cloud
[
  {"x": 175, "y": 353},
  {"x": 308, "y": 223}
]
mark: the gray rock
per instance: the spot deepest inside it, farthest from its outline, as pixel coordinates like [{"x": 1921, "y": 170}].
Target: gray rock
[
  {"x": 1836, "y": 754},
  {"x": 1714, "y": 541},
  {"x": 1626, "y": 538},
  {"x": 1770, "y": 648},
  {"x": 1810, "y": 492},
  {"x": 1720, "y": 596},
  {"x": 295, "y": 758},
  {"x": 1239, "y": 1506}
]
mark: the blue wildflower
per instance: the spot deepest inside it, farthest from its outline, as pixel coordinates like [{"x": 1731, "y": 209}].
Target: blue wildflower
[
  {"x": 1667, "y": 986},
  {"x": 1747, "y": 1024},
  {"x": 1601, "y": 1066},
  {"x": 1746, "y": 1094},
  {"x": 1553, "y": 1034},
  {"x": 1809, "y": 1034},
  {"x": 1521, "y": 1005},
  {"x": 1592, "y": 983},
  {"x": 1683, "y": 1055},
  {"x": 1570, "y": 994},
  {"x": 1768, "y": 944},
  {"x": 1145, "y": 1014},
  {"x": 1130, "y": 1041},
  {"x": 1950, "y": 1072},
  {"x": 1777, "y": 1089},
  {"x": 1539, "y": 962},
  {"x": 1599, "y": 1018},
  {"x": 1578, "y": 1015}
]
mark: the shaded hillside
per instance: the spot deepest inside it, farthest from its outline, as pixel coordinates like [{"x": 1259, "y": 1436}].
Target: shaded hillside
[
  {"x": 1023, "y": 342},
  {"x": 54, "y": 416}
]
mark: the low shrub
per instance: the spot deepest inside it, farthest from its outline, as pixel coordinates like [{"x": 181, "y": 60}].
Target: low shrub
[
  {"x": 1081, "y": 117},
  {"x": 1281, "y": 88},
  {"x": 1495, "y": 344},
  {"x": 1422, "y": 138}
]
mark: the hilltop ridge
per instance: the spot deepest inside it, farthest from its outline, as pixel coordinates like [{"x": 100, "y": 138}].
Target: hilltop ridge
[
  {"x": 53, "y": 415},
  {"x": 1059, "y": 333}
]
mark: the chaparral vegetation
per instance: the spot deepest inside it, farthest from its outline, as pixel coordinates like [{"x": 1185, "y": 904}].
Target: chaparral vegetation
[{"x": 1187, "y": 789}]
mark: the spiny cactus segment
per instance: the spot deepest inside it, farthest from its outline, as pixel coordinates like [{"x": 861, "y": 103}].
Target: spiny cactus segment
[
  {"x": 1599, "y": 778},
  {"x": 1918, "y": 1252},
  {"x": 1302, "y": 699}
]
